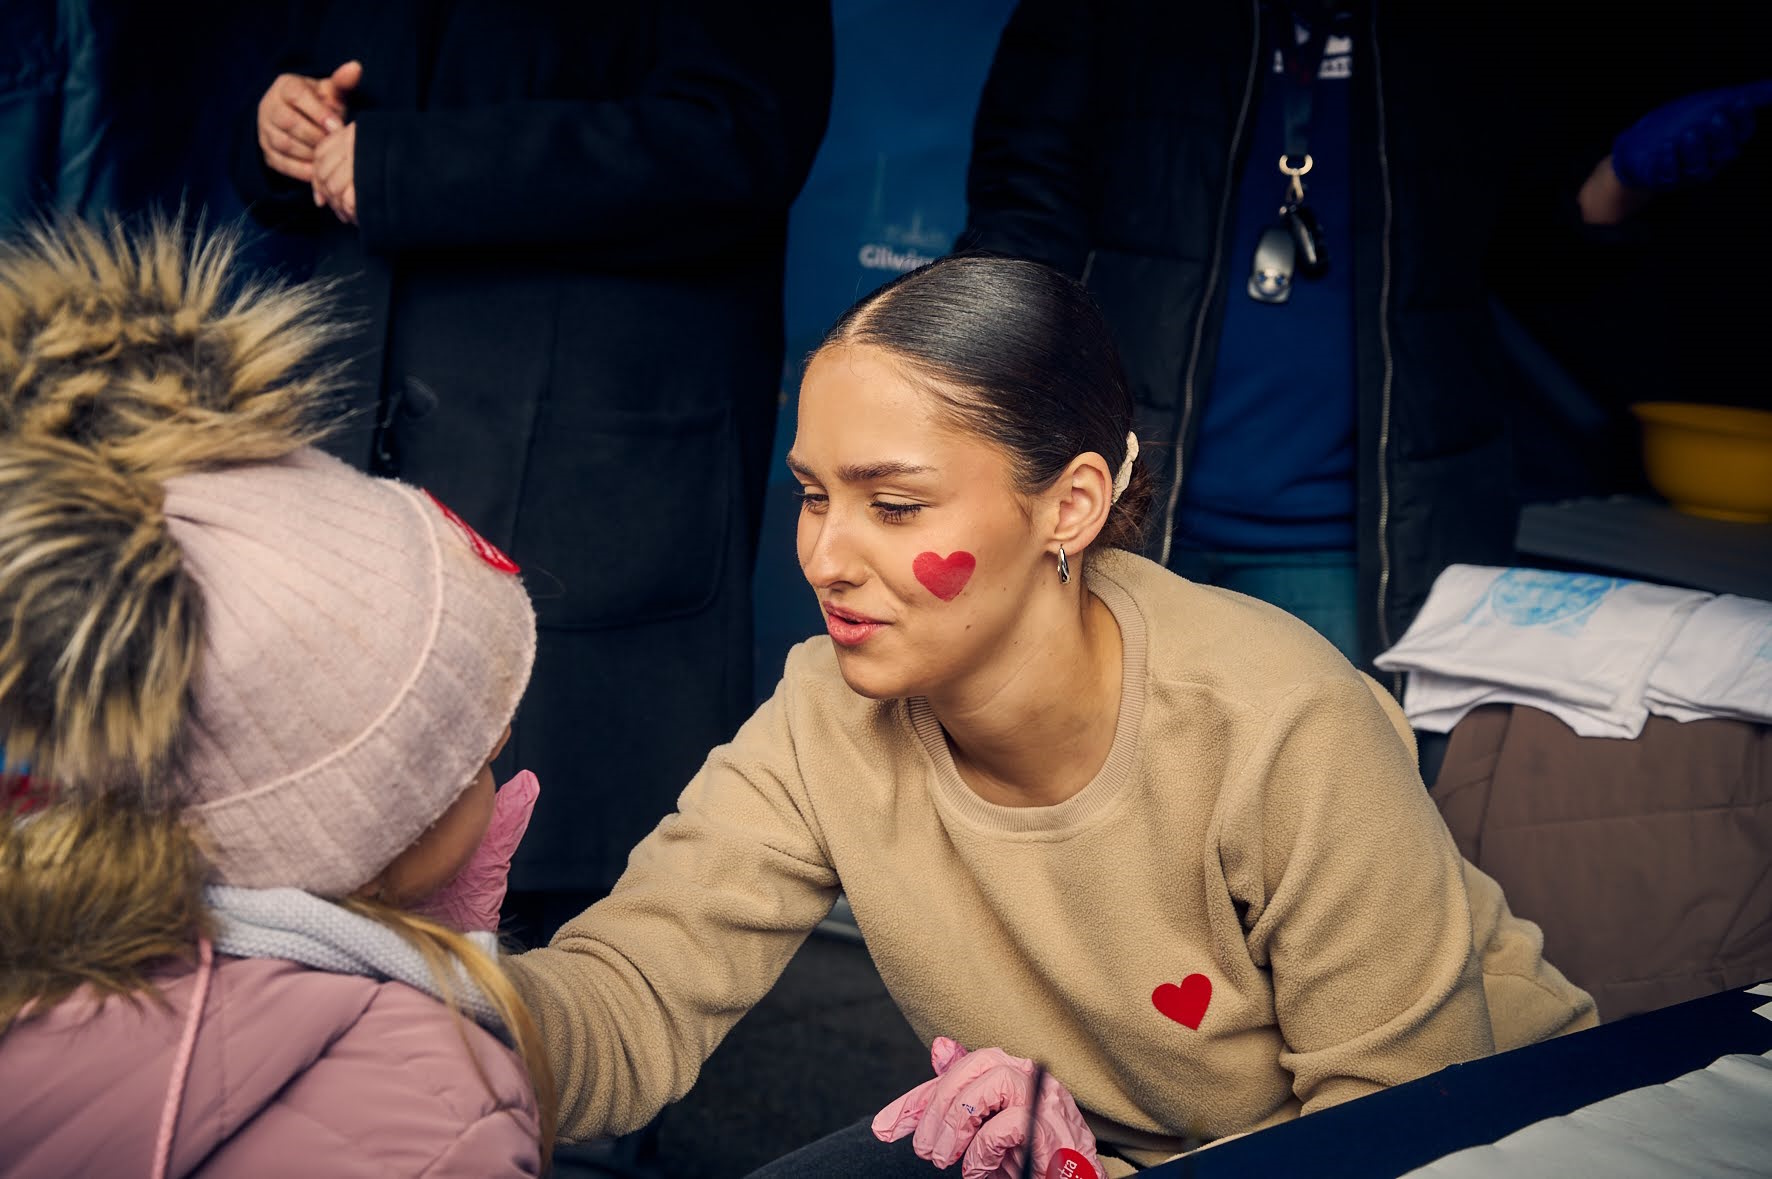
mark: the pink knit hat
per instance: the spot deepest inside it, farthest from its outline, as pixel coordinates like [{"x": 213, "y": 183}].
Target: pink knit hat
[{"x": 363, "y": 653}]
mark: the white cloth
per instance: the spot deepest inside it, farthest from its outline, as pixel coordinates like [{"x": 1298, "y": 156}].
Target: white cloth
[
  {"x": 1720, "y": 665},
  {"x": 1578, "y": 645},
  {"x": 1434, "y": 704},
  {"x": 1712, "y": 1122}
]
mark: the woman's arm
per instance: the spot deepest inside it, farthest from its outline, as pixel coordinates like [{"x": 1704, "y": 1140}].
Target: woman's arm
[
  {"x": 1354, "y": 899},
  {"x": 633, "y": 994}
]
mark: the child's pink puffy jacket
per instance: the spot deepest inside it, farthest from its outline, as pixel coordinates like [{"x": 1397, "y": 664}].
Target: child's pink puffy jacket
[{"x": 293, "y": 1071}]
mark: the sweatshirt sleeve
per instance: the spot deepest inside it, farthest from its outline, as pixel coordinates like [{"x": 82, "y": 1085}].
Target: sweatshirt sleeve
[
  {"x": 633, "y": 994},
  {"x": 1354, "y": 899}
]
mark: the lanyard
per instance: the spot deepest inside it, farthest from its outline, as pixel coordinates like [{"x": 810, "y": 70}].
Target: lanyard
[
  {"x": 1293, "y": 246},
  {"x": 1301, "y": 62}
]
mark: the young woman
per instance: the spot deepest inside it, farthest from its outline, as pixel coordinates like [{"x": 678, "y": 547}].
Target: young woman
[{"x": 1161, "y": 838}]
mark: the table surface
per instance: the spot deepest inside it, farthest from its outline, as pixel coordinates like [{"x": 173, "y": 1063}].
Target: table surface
[
  {"x": 1391, "y": 1132},
  {"x": 1645, "y": 539}
]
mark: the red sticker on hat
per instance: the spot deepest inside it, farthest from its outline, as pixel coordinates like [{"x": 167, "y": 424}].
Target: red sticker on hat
[
  {"x": 21, "y": 794},
  {"x": 485, "y": 549}
]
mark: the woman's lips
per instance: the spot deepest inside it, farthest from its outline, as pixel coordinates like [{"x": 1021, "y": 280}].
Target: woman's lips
[{"x": 847, "y": 628}]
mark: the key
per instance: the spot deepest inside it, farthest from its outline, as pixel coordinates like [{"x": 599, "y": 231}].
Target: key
[
  {"x": 1270, "y": 277},
  {"x": 1307, "y": 239}
]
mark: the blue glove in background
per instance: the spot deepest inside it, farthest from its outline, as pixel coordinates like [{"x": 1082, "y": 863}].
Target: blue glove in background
[{"x": 1689, "y": 139}]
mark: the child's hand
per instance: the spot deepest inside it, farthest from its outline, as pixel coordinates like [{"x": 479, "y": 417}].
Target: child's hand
[{"x": 471, "y": 901}]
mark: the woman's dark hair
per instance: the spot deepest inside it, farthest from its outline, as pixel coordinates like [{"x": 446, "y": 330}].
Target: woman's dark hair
[{"x": 1021, "y": 357}]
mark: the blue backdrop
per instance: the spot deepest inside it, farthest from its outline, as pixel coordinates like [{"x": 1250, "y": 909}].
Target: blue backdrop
[{"x": 887, "y": 193}]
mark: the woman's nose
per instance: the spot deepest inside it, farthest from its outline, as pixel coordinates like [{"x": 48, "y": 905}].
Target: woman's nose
[{"x": 828, "y": 555}]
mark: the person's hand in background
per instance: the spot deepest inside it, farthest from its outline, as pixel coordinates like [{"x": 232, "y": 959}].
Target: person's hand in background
[
  {"x": 297, "y": 113},
  {"x": 1683, "y": 142},
  {"x": 976, "y": 1109},
  {"x": 335, "y": 174}
]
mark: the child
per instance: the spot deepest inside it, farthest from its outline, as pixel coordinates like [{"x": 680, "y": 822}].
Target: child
[{"x": 258, "y": 693}]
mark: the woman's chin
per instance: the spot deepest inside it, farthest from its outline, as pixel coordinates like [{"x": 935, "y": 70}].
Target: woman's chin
[{"x": 874, "y": 682}]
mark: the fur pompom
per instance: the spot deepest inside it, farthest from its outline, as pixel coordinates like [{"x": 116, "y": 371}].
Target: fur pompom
[
  {"x": 144, "y": 348},
  {"x": 99, "y": 894},
  {"x": 103, "y": 622}
]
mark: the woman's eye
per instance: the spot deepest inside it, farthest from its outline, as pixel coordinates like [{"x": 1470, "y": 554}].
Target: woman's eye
[
  {"x": 812, "y": 501},
  {"x": 896, "y": 513}
]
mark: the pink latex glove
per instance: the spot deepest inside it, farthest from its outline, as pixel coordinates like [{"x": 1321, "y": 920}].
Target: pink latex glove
[
  {"x": 471, "y": 901},
  {"x": 977, "y": 1107}
]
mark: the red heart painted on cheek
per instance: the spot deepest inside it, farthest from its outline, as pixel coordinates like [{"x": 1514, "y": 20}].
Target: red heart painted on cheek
[
  {"x": 945, "y": 576},
  {"x": 1185, "y": 1004}
]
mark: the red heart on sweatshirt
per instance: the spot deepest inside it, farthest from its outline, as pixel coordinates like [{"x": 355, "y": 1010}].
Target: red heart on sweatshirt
[
  {"x": 945, "y": 576},
  {"x": 1185, "y": 1004}
]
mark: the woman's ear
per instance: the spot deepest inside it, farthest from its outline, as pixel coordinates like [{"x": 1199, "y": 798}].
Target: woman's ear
[{"x": 1083, "y": 494}]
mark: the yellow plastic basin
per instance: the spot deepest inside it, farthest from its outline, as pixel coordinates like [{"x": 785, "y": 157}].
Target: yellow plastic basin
[{"x": 1709, "y": 460}]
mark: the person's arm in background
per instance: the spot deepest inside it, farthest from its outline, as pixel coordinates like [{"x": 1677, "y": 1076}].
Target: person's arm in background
[
  {"x": 1682, "y": 143},
  {"x": 717, "y": 143},
  {"x": 1025, "y": 182}
]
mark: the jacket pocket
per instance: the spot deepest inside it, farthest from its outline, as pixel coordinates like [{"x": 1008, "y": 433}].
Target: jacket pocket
[{"x": 625, "y": 516}]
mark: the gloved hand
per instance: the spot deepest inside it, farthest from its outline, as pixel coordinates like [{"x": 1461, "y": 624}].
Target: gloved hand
[
  {"x": 1689, "y": 139},
  {"x": 977, "y": 1107},
  {"x": 471, "y": 901}
]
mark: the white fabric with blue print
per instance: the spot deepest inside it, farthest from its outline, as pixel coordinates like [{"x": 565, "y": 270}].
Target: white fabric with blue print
[{"x": 1579, "y": 646}]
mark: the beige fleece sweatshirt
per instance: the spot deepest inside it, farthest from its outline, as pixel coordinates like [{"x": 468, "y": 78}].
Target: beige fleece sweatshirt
[{"x": 1253, "y": 910}]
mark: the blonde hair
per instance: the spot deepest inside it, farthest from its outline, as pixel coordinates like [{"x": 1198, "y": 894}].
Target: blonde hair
[{"x": 125, "y": 359}]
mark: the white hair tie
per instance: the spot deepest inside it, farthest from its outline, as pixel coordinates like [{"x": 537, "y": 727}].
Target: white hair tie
[{"x": 1124, "y": 475}]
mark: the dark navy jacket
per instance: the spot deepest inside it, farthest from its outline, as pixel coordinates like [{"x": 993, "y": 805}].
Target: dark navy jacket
[{"x": 1108, "y": 143}]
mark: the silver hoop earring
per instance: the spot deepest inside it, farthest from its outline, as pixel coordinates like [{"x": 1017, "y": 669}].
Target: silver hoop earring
[{"x": 1064, "y": 567}]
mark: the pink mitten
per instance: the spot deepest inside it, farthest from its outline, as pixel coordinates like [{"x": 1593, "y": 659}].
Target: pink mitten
[
  {"x": 977, "y": 1108},
  {"x": 471, "y": 901}
]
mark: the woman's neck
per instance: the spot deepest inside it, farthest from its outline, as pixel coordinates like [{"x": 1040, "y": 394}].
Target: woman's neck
[{"x": 1040, "y": 728}]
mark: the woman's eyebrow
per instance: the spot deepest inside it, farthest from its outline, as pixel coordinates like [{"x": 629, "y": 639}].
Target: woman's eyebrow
[{"x": 863, "y": 472}]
